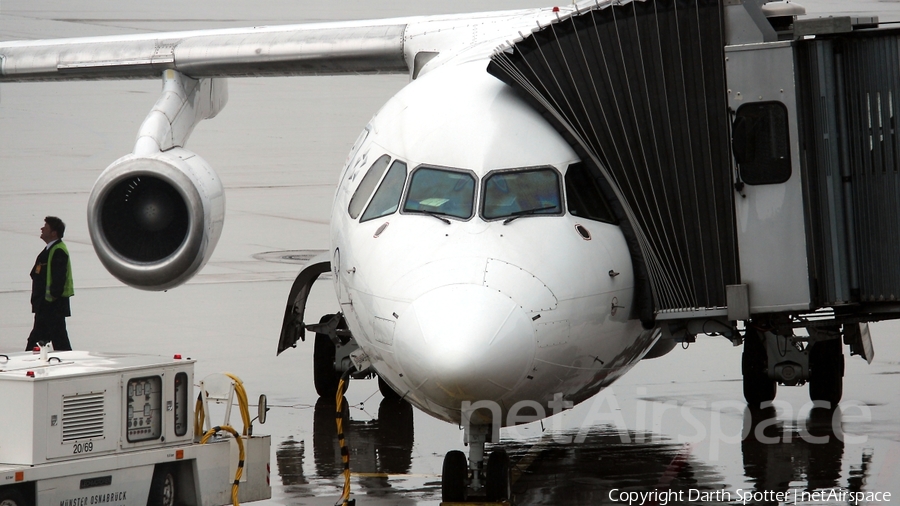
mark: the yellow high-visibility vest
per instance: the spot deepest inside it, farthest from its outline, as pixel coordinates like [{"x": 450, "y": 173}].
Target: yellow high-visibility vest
[{"x": 69, "y": 287}]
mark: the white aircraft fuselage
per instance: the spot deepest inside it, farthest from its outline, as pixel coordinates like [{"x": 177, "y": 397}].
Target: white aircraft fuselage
[{"x": 466, "y": 305}]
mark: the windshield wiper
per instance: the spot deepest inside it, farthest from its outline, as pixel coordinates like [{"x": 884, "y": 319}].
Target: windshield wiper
[
  {"x": 434, "y": 214},
  {"x": 525, "y": 212}
]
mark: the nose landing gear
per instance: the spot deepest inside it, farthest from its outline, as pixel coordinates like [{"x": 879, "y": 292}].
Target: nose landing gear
[{"x": 469, "y": 480}]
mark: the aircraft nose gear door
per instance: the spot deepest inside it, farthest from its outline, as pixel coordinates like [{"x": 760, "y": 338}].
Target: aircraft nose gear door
[{"x": 293, "y": 328}]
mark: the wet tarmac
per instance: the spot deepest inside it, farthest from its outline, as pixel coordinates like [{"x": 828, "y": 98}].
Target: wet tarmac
[{"x": 677, "y": 424}]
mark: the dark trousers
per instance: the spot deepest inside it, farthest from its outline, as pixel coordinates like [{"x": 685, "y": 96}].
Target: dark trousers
[{"x": 49, "y": 328}]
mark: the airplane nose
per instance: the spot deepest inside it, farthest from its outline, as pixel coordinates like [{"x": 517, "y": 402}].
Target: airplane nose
[{"x": 464, "y": 342}]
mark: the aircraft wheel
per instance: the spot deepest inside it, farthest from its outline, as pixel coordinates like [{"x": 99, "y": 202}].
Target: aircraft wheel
[
  {"x": 162, "y": 487},
  {"x": 453, "y": 477},
  {"x": 498, "y": 487},
  {"x": 11, "y": 497},
  {"x": 826, "y": 371},
  {"x": 324, "y": 375},
  {"x": 758, "y": 387}
]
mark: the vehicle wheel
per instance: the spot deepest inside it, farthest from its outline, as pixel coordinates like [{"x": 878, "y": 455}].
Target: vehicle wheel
[
  {"x": 826, "y": 371},
  {"x": 162, "y": 487},
  {"x": 324, "y": 375},
  {"x": 453, "y": 477},
  {"x": 498, "y": 487},
  {"x": 11, "y": 497},
  {"x": 758, "y": 387},
  {"x": 386, "y": 390}
]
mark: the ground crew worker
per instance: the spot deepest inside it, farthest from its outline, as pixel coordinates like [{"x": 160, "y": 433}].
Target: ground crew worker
[{"x": 51, "y": 287}]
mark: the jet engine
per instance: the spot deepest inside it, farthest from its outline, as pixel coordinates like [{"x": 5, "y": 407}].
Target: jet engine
[{"x": 155, "y": 219}]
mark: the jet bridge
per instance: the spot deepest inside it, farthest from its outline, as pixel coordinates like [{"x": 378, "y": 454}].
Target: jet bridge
[
  {"x": 752, "y": 158},
  {"x": 638, "y": 89}
]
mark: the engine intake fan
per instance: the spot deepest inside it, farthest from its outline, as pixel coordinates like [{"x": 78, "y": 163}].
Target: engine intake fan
[{"x": 155, "y": 220}]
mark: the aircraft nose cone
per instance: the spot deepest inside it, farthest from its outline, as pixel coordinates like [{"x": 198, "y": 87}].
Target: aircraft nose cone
[{"x": 464, "y": 342}]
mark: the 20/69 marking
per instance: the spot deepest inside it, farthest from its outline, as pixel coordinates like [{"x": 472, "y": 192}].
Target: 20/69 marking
[{"x": 82, "y": 448}]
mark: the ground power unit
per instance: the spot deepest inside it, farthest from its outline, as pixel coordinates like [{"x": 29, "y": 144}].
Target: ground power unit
[{"x": 83, "y": 428}]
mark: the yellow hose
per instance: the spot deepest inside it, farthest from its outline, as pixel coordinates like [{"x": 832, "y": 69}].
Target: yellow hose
[
  {"x": 345, "y": 452},
  {"x": 200, "y": 415},
  {"x": 240, "y": 466},
  {"x": 242, "y": 401}
]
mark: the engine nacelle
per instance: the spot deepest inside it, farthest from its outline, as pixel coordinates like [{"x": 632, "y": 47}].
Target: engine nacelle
[{"x": 155, "y": 220}]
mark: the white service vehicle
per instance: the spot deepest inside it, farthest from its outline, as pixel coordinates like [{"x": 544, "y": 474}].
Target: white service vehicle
[{"x": 82, "y": 428}]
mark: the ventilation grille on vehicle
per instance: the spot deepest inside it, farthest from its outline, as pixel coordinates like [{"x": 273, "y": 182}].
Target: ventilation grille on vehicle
[{"x": 82, "y": 416}]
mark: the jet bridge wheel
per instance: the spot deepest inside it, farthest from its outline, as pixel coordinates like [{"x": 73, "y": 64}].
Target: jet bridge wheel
[
  {"x": 325, "y": 376},
  {"x": 454, "y": 474},
  {"x": 758, "y": 387},
  {"x": 826, "y": 371}
]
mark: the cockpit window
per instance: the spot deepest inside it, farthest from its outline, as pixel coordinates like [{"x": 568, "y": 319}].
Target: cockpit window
[
  {"x": 584, "y": 196},
  {"x": 441, "y": 192},
  {"x": 387, "y": 197},
  {"x": 513, "y": 193},
  {"x": 367, "y": 186}
]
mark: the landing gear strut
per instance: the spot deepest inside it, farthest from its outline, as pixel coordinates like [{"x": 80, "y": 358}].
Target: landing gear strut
[
  {"x": 325, "y": 375},
  {"x": 469, "y": 479}
]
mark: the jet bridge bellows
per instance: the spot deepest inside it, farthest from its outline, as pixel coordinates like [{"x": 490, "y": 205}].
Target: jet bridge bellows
[
  {"x": 849, "y": 111},
  {"x": 638, "y": 89}
]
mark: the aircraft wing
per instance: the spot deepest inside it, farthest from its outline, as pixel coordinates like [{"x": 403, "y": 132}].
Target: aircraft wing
[
  {"x": 352, "y": 47},
  {"x": 315, "y": 49}
]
